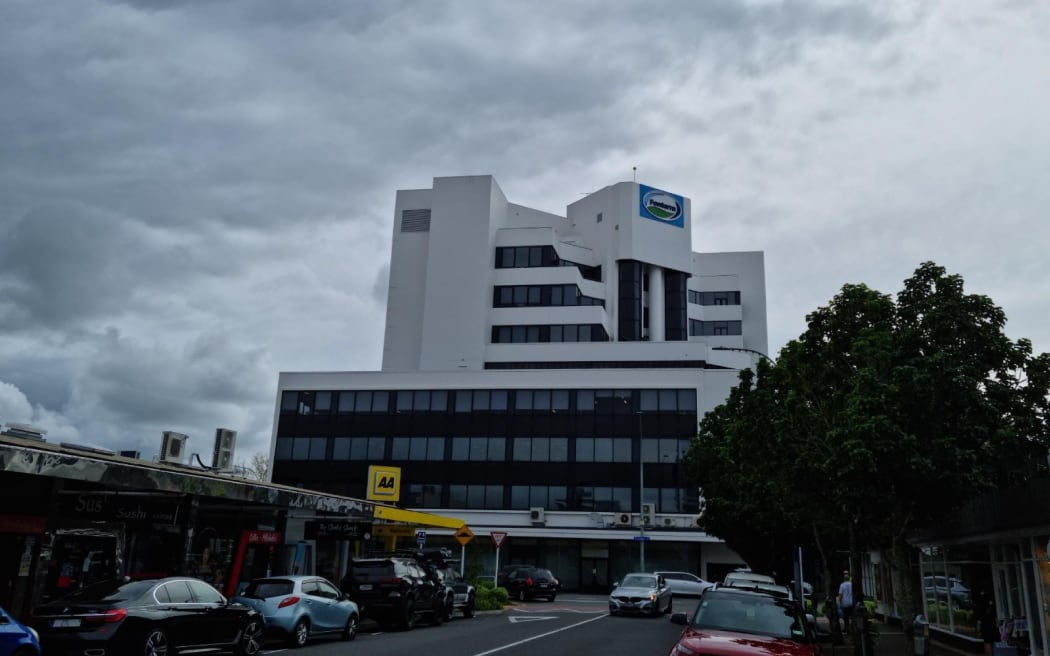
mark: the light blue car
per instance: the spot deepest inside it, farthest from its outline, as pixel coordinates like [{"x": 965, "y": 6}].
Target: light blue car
[
  {"x": 298, "y": 608},
  {"x": 17, "y": 639}
]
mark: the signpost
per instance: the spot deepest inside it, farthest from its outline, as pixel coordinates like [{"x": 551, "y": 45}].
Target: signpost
[
  {"x": 497, "y": 539},
  {"x": 463, "y": 536},
  {"x": 421, "y": 538}
]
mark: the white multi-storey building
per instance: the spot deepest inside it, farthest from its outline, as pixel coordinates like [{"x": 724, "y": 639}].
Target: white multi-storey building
[{"x": 542, "y": 376}]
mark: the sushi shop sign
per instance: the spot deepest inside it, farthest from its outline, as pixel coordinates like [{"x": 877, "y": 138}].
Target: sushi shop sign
[{"x": 119, "y": 508}]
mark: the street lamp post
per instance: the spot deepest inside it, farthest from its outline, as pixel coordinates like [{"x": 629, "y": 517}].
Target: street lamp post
[{"x": 641, "y": 495}]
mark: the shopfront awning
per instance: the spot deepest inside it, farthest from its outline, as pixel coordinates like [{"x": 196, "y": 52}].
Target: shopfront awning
[{"x": 390, "y": 513}]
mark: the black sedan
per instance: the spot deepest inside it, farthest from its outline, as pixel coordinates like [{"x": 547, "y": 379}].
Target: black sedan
[{"x": 154, "y": 617}]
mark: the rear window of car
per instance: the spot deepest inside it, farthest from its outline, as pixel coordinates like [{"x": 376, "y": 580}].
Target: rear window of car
[
  {"x": 372, "y": 567},
  {"x": 544, "y": 572},
  {"x": 269, "y": 588}
]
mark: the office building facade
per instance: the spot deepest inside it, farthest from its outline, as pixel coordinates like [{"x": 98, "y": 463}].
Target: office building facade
[{"x": 542, "y": 375}]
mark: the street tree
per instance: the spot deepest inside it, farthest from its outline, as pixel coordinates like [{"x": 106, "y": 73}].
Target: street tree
[{"x": 881, "y": 418}]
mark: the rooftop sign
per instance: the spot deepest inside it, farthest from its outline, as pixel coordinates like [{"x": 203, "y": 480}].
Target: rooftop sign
[{"x": 662, "y": 206}]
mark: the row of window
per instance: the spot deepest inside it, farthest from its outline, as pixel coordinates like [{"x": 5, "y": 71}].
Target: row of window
[
  {"x": 704, "y": 328},
  {"x": 481, "y": 449},
  {"x": 541, "y": 296},
  {"x": 579, "y": 332},
  {"x": 714, "y": 298},
  {"x": 579, "y": 401},
  {"x": 522, "y": 257},
  {"x": 553, "y": 497}
]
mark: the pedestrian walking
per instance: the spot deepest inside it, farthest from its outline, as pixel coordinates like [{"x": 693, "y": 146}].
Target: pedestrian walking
[{"x": 845, "y": 600}]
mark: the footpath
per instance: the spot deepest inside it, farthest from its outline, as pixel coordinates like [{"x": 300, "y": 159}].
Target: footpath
[{"x": 889, "y": 640}]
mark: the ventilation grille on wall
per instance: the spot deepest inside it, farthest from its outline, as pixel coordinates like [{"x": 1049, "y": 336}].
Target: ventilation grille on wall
[{"x": 415, "y": 220}]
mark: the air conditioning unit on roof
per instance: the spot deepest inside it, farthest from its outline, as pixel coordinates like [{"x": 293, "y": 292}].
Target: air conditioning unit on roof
[
  {"x": 222, "y": 454},
  {"x": 622, "y": 519},
  {"x": 172, "y": 447}
]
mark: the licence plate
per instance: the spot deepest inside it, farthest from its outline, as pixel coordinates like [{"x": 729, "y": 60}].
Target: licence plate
[
  {"x": 58, "y": 624},
  {"x": 543, "y": 585},
  {"x": 365, "y": 586}
]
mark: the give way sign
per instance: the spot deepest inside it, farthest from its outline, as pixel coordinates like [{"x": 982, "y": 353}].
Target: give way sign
[{"x": 498, "y": 537}]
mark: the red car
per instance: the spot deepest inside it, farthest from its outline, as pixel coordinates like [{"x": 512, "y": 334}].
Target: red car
[{"x": 737, "y": 622}]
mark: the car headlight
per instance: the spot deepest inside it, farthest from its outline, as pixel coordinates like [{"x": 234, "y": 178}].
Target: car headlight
[{"x": 652, "y": 596}]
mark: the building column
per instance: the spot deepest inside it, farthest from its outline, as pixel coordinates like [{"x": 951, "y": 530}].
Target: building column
[{"x": 656, "y": 304}]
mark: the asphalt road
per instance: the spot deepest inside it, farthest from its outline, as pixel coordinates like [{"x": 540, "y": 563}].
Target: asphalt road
[{"x": 572, "y": 624}]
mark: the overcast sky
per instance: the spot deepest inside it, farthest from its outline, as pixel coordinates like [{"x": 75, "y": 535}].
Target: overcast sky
[{"x": 195, "y": 196}]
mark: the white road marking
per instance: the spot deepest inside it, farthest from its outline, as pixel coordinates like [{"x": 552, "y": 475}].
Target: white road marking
[
  {"x": 537, "y": 637},
  {"x": 514, "y": 620}
]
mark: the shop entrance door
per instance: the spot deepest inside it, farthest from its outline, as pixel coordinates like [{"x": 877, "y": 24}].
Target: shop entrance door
[{"x": 594, "y": 575}]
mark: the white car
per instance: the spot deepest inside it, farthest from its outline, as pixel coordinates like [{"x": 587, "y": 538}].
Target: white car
[
  {"x": 685, "y": 584},
  {"x": 640, "y": 593}
]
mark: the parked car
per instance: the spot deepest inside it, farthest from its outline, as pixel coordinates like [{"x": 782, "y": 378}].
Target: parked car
[
  {"x": 748, "y": 575},
  {"x": 151, "y": 616},
  {"x": 730, "y": 621},
  {"x": 507, "y": 571},
  {"x": 641, "y": 593},
  {"x": 461, "y": 594},
  {"x": 298, "y": 608},
  {"x": 17, "y": 639},
  {"x": 395, "y": 591},
  {"x": 685, "y": 584},
  {"x": 525, "y": 583}
]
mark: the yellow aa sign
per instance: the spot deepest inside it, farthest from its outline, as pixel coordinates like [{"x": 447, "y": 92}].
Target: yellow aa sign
[{"x": 384, "y": 483}]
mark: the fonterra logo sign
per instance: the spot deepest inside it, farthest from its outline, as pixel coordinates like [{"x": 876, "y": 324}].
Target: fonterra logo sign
[{"x": 661, "y": 206}]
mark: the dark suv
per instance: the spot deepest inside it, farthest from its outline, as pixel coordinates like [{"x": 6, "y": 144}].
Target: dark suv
[
  {"x": 395, "y": 591},
  {"x": 524, "y": 583},
  {"x": 460, "y": 594}
]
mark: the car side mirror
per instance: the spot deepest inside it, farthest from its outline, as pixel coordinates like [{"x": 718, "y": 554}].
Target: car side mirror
[{"x": 679, "y": 618}]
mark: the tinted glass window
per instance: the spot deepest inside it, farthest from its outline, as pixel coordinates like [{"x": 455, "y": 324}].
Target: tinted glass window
[
  {"x": 178, "y": 592},
  {"x": 113, "y": 591},
  {"x": 204, "y": 593},
  {"x": 267, "y": 588}
]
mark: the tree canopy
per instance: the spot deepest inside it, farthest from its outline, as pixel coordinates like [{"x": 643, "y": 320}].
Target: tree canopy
[{"x": 881, "y": 417}]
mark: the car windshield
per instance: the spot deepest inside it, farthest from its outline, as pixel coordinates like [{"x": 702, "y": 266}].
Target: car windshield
[
  {"x": 757, "y": 615},
  {"x": 269, "y": 588},
  {"x": 639, "y": 581}
]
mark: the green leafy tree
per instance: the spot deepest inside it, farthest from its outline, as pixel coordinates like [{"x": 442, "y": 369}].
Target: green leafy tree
[{"x": 884, "y": 416}]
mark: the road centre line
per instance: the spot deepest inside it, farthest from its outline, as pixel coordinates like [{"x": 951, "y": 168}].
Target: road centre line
[{"x": 537, "y": 637}]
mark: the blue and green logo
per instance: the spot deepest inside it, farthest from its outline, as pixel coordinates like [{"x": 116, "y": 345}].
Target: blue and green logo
[{"x": 661, "y": 206}]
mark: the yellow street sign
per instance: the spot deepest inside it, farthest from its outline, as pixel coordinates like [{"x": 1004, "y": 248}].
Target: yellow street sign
[
  {"x": 464, "y": 535},
  {"x": 384, "y": 483}
]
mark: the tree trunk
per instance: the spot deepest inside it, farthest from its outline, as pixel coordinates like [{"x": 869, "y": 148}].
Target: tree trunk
[{"x": 901, "y": 569}]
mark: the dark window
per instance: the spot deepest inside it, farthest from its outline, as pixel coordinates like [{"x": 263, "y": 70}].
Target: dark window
[
  {"x": 714, "y": 298},
  {"x": 289, "y": 402},
  {"x": 709, "y": 328}
]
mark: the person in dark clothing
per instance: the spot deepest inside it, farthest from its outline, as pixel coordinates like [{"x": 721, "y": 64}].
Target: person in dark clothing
[{"x": 987, "y": 622}]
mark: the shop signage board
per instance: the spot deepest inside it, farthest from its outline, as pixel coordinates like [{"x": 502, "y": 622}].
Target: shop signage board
[
  {"x": 117, "y": 508},
  {"x": 393, "y": 531},
  {"x": 384, "y": 483},
  {"x": 336, "y": 530}
]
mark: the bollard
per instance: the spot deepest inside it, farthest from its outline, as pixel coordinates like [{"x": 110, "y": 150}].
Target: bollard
[{"x": 921, "y": 641}]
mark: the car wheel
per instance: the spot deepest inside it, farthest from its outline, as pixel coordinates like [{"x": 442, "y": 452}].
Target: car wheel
[
  {"x": 251, "y": 638},
  {"x": 450, "y": 608},
  {"x": 670, "y": 602},
  {"x": 551, "y": 598},
  {"x": 156, "y": 643},
  {"x": 437, "y": 615},
  {"x": 469, "y": 609},
  {"x": 300, "y": 633},
  {"x": 521, "y": 595},
  {"x": 350, "y": 630},
  {"x": 408, "y": 616}
]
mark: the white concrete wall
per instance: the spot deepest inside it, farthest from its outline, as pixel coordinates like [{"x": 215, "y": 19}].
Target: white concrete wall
[{"x": 407, "y": 287}]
